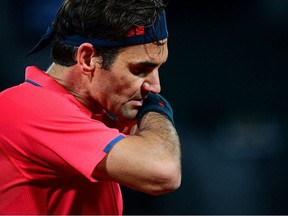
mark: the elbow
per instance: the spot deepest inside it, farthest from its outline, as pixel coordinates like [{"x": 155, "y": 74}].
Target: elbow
[
  {"x": 172, "y": 181},
  {"x": 167, "y": 180},
  {"x": 169, "y": 186}
]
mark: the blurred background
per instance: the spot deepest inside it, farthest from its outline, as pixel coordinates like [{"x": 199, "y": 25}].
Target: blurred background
[{"x": 226, "y": 79}]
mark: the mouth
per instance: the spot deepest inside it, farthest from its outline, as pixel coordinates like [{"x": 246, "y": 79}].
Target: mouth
[{"x": 136, "y": 102}]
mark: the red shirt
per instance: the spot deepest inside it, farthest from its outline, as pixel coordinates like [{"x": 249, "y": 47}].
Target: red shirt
[{"x": 49, "y": 147}]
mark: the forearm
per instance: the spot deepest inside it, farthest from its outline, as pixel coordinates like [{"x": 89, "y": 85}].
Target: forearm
[
  {"x": 159, "y": 158},
  {"x": 162, "y": 135}
]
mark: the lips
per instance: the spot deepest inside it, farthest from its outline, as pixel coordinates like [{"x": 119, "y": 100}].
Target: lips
[
  {"x": 140, "y": 102},
  {"x": 137, "y": 102}
]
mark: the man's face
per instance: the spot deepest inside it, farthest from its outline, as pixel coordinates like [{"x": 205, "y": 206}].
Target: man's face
[{"x": 121, "y": 89}]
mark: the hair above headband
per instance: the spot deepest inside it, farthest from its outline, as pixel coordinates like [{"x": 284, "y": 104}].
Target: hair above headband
[{"x": 137, "y": 35}]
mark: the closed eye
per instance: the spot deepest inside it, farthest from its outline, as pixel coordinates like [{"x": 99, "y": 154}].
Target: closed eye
[
  {"x": 143, "y": 68},
  {"x": 140, "y": 70}
]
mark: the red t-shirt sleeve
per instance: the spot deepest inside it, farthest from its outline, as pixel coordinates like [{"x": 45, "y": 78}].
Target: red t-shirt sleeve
[
  {"x": 52, "y": 136},
  {"x": 76, "y": 143}
]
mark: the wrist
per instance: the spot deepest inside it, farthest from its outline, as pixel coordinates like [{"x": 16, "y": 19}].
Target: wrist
[{"x": 155, "y": 103}]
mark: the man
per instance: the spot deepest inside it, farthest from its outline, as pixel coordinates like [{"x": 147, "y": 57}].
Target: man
[{"x": 69, "y": 136}]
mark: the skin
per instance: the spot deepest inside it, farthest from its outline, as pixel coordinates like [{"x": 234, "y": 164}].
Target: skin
[{"x": 149, "y": 160}]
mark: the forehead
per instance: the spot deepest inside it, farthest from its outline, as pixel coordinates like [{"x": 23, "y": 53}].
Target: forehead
[{"x": 150, "y": 52}]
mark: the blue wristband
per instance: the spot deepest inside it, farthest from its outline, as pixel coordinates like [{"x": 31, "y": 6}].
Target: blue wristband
[{"x": 155, "y": 103}]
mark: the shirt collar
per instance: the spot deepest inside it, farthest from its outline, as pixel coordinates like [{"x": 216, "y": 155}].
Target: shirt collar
[{"x": 39, "y": 78}]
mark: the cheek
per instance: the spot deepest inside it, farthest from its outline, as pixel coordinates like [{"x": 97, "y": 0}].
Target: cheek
[{"x": 126, "y": 85}]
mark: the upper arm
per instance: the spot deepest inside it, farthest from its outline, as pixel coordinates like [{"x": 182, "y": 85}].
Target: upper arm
[{"x": 143, "y": 162}]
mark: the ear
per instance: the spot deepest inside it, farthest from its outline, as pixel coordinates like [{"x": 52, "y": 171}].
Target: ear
[{"x": 85, "y": 55}]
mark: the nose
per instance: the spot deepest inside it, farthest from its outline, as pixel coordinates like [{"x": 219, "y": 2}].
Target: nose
[{"x": 152, "y": 82}]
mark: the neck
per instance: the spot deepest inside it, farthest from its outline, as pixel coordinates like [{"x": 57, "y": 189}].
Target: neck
[{"x": 75, "y": 83}]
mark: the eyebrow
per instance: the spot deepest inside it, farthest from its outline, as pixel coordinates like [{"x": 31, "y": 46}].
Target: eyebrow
[{"x": 148, "y": 64}]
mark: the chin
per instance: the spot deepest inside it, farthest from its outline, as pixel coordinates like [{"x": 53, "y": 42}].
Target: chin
[{"x": 128, "y": 114}]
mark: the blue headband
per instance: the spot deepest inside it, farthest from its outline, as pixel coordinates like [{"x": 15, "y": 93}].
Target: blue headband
[{"x": 137, "y": 35}]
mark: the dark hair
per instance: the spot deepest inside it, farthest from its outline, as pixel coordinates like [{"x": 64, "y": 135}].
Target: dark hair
[{"x": 109, "y": 19}]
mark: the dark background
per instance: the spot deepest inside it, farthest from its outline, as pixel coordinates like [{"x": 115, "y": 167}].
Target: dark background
[{"x": 226, "y": 80}]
